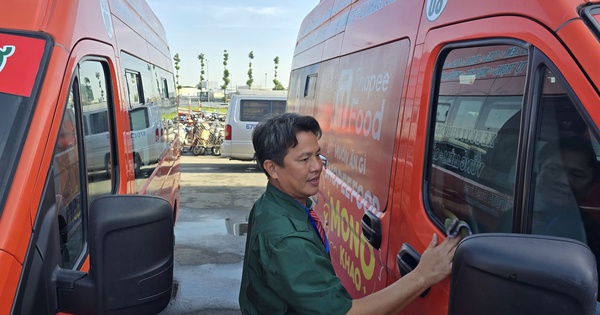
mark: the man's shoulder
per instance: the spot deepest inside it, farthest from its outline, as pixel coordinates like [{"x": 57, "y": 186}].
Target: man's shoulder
[{"x": 274, "y": 215}]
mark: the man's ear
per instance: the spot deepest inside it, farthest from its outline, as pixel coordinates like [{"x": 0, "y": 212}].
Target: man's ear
[{"x": 271, "y": 168}]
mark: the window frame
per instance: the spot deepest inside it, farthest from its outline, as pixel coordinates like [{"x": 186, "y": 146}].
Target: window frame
[
  {"x": 530, "y": 116},
  {"x": 139, "y": 88},
  {"x": 432, "y": 110}
]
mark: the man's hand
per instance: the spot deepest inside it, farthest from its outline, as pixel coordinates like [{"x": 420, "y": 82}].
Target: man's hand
[{"x": 436, "y": 262}]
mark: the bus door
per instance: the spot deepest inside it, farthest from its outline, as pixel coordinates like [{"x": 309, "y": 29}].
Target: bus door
[{"x": 498, "y": 105}]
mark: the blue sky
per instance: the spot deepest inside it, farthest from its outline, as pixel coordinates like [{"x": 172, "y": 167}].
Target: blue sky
[{"x": 267, "y": 27}]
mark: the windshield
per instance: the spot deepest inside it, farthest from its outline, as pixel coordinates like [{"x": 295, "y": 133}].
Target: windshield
[{"x": 22, "y": 56}]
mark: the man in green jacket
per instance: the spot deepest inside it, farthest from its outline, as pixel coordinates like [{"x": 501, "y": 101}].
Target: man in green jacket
[{"x": 287, "y": 267}]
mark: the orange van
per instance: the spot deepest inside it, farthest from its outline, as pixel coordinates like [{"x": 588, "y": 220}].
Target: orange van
[
  {"x": 86, "y": 218},
  {"x": 439, "y": 114}
]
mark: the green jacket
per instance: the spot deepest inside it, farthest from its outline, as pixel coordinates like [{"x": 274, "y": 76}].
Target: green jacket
[{"x": 286, "y": 267}]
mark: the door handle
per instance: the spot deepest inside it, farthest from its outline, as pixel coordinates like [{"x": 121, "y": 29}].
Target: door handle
[
  {"x": 407, "y": 260},
  {"x": 371, "y": 228}
]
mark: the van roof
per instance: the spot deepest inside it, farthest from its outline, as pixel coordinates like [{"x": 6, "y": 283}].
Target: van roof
[
  {"x": 258, "y": 97},
  {"x": 260, "y": 92},
  {"x": 320, "y": 30},
  {"x": 58, "y": 19}
]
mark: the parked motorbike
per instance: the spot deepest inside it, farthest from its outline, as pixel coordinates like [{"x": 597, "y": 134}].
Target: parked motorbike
[
  {"x": 204, "y": 137},
  {"x": 212, "y": 136},
  {"x": 197, "y": 146}
]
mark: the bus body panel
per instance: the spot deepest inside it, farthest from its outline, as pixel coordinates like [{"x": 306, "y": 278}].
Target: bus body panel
[
  {"x": 580, "y": 42},
  {"x": 10, "y": 277}
]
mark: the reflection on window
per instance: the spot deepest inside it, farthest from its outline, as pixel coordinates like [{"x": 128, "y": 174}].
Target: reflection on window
[
  {"x": 566, "y": 193},
  {"x": 311, "y": 86},
  {"x": 149, "y": 141},
  {"x": 566, "y": 169},
  {"x": 165, "y": 89},
  {"x": 139, "y": 119},
  {"x": 135, "y": 89},
  {"x": 476, "y": 128},
  {"x": 96, "y": 123},
  {"x": 467, "y": 113},
  {"x": 68, "y": 192}
]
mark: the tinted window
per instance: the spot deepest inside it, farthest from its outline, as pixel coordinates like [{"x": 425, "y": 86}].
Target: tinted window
[
  {"x": 476, "y": 128},
  {"x": 565, "y": 195},
  {"x": 68, "y": 188},
  {"x": 98, "y": 122},
  {"x": 139, "y": 119},
  {"x": 565, "y": 169},
  {"x": 477, "y": 132},
  {"x": 96, "y": 118},
  {"x": 135, "y": 89},
  {"x": 256, "y": 110}
]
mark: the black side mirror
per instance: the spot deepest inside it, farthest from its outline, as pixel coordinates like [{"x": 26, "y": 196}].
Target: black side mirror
[
  {"x": 498, "y": 274},
  {"x": 131, "y": 244}
]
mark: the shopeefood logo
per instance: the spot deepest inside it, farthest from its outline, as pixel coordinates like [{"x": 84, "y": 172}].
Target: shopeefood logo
[
  {"x": 20, "y": 58},
  {"x": 5, "y": 52}
]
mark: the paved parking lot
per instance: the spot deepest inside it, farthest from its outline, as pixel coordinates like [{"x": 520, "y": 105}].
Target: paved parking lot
[{"x": 216, "y": 197}]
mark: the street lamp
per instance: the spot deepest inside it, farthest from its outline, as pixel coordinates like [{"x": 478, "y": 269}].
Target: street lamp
[{"x": 265, "y": 80}]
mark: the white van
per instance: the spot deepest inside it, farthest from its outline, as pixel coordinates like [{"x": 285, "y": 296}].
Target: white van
[
  {"x": 95, "y": 126},
  {"x": 147, "y": 133},
  {"x": 244, "y": 112}
]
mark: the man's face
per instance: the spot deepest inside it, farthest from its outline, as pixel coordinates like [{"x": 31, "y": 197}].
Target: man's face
[
  {"x": 565, "y": 177},
  {"x": 299, "y": 175}
]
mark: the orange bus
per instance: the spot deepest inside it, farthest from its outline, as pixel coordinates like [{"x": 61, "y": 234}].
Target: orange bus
[
  {"x": 440, "y": 111},
  {"x": 89, "y": 158}
]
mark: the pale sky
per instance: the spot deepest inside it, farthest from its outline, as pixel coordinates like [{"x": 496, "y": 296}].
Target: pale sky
[{"x": 269, "y": 28}]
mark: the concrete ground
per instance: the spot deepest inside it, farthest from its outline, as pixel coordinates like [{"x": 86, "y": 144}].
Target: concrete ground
[{"x": 216, "y": 197}]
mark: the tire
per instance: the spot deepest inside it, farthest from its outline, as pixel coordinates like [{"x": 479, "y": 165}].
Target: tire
[
  {"x": 108, "y": 165},
  {"x": 137, "y": 163},
  {"x": 198, "y": 150},
  {"x": 216, "y": 150}
]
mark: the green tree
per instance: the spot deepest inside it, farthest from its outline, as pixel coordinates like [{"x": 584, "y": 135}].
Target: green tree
[
  {"x": 201, "y": 58},
  {"x": 250, "y": 79},
  {"x": 278, "y": 85},
  {"x": 177, "y": 61},
  {"x": 100, "y": 85},
  {"x": 225, "y": 74},
  {"x": 88, "y": 94}
]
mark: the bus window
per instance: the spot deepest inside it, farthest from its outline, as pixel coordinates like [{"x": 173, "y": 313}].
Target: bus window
[
  {"x": 135, "y": 89},
  {"x": 256, "y": 110},
  {"x": 564, "y": 197},
  {"x": 565, "y": 170},
  {"x": 68, "y": 187},
  {"x": 474, "y": 147},
  {"x": 96, "y": 121},
  {"x": 165, "y": 89},
  {"x": 310, "y": 87}
]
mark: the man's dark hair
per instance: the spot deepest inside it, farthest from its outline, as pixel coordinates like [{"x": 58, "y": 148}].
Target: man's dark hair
[
  {"x": 572, "y": 144},
  {"x": 275, "y": 135}
]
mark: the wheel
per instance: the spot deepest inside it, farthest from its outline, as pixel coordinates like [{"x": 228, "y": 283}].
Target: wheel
[
  {"x": 137, "y": 163},
  {"x": 198, "y": 150},
  {"x": 108, "y": 164},
  {"x": 216, "y": 150}
]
